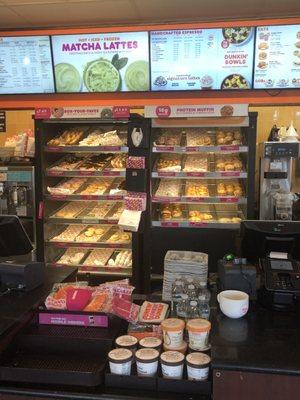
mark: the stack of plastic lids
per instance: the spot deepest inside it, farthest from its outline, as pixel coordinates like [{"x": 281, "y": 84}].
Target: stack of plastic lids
[{"x": 187, "y": 264}]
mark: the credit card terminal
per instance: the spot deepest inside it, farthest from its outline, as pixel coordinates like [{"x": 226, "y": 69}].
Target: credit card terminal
[{"x": 282, "y": 275}]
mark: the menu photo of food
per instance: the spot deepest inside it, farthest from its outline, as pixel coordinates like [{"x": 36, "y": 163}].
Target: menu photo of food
[
  {"x": 236, "y": 58},
  {"x": 277, "y": 57},
  {"x": 107, "y": 62}
]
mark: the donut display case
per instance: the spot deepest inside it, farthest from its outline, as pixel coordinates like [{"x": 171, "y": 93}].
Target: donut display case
[
  {"x": 202, "y": 181},
  {"x": 202, "y": 176},
  {"x": 82, "y": 185}
]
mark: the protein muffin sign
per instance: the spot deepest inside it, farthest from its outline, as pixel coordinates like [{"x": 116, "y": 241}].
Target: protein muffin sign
[{"x": 108, "y": 62}]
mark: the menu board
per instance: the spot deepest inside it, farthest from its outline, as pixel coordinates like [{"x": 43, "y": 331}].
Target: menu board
[
  {"x": 107, "y": 62},
  {"x": 277, "y": 57},
  {"x": 202, "y": 59},
  {"x": 26, "y": 65}
]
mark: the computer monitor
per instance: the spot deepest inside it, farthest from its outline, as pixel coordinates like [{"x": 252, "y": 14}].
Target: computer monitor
[
  {"x": 13, "y": 238},
  {"x": 259, "y": 238}
]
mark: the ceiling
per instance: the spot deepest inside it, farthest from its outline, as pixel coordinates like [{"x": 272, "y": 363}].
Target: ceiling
[{"x": 20, "y": 14}]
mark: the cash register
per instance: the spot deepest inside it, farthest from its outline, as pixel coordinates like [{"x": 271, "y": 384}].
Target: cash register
[
  {"x": 274, "y": 246},
  {"x": 15, "y": 273}
]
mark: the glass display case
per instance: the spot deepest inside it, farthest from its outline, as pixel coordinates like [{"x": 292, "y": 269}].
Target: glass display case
[
  {"x": 202, "y": 175},
  {"x": 81, "y": 185},
  {"x": 202, "y": 184}
]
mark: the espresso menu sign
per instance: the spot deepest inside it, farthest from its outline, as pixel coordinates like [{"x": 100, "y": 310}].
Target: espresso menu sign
[
  {"x": 107, "y": 62},
  {"x": 26, "y": 65},
  {"x": 2, "y": 121},
  {"x": 202, "y": 59},
  {"x": 277, "y": 57}
]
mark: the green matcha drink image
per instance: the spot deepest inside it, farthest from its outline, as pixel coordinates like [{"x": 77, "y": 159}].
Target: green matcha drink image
[
  {"x": 137, "y": 76},
  {"x": 103, "y": 75},
  {"x": 67, "y": 78}
]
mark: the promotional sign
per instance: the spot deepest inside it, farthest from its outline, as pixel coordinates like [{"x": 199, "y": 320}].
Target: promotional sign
[
  {"x": 2, "y": 121},
  {"x": 114, "y": 112},
  {"x": 277, "y": 57},
  {"x": 202, "y": 59},
  {"x": 106, "y": 62},
  {"x": 198, "y": 111},
  {"x": 26, "y": 65}
]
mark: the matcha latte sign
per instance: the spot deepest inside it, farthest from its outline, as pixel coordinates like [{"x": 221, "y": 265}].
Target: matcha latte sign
[{"x": 101, "y": 62}]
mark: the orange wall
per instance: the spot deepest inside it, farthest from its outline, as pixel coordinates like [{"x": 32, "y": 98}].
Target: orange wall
[
  {"x": 16, "y": 122},
  {"x": 139, "y": 99}
]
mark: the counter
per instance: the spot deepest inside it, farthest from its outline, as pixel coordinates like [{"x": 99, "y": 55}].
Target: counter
[
  {"x": 254, "y": 356},
  {"x": 17, "y": 307},
  {"x": 262, "y": 341}
]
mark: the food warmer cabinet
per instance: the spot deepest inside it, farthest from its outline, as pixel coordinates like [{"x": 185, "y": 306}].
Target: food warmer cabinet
[
  {"x": 202, "y": 184},
  {"x": 81, "y": 184}
]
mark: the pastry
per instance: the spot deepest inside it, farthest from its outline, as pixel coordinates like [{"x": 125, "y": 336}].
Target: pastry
[
  {"x": 70, "y": 210},
  {"x": 196, "y": 137},
  {"x": 67, "y": 187},
  {"x": 118, "y": 188},
  {"x": 99, "y": 211},
  {"x": 196, "y": 189},
  {"x": 169, "y": 138},
  {"x": 229, "y": 188},
  {"x": 169, "y": 162},
  {"x": 176, "y": 211},
  {"x": 99, "y": 138},
  {"x": 229, "y": 138},
  {"x": 228, "y": 163},
  {"x": 170, "y": 211},
  {"x": 98, "y": 257},
  {"x": 117, "y": 162},
  {"x": 68, "y": 163},
  {"x": 69, "y": 234},
  {"x": 72, "y": 256},
  {"x": 96, "y": 187},
  {"x": 69, "y": 137},
  {"x": 121, "y": 259},
  {"x": 166, "y": 212},
  {"x": 198, "y": 216},
  {"x": 91, "y": 234},
  {"x": 168, "y": 188},
  {"x": 196, "y": 163},
  {"x": 95, "y": 163},
  {"x": 119, "y": 237},
  {"x": 116, "y": 214}
]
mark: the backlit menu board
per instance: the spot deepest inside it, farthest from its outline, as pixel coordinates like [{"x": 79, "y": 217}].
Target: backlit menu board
[
  {"x": 26, "y": 65},
  {"x": 201, "y": 59},
  {"x": 106, "y": 62},
  {"x": 277, "y": 57}
]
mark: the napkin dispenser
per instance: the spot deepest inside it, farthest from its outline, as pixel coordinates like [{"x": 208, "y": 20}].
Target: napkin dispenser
[{"x": 22, "y": 276}]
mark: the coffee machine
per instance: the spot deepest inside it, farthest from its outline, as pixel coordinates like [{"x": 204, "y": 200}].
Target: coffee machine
[
  {"x": 17, "y": 195},
  {"x": 279, "y": 179}
]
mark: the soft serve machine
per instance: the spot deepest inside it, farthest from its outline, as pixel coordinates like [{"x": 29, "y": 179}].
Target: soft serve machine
[{"x": 280, "y": 176}]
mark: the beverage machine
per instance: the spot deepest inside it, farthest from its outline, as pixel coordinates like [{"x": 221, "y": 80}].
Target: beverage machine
[
  {"x": 279, "y": 180},
  {"x": 17, "y": 195}
]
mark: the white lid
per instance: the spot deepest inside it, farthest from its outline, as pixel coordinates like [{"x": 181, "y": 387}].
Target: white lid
[
  {"x": 198, "y": 359},
  {"x": 150, "y": 342},
  {"x": 146, "y": 354},
  {"x": 120, "y": 355},
  {"x": 172, "y": 357},
  {"x": 126, "y": 341}
]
